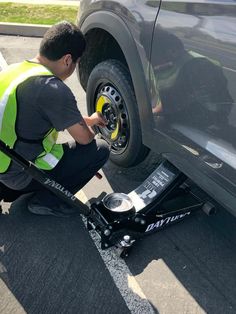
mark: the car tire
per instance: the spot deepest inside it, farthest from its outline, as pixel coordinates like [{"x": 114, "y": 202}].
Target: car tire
[{"x": 110, "y": 91}]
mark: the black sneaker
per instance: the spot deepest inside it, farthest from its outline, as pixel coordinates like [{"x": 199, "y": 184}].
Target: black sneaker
[{"x": 59, "y": 210}]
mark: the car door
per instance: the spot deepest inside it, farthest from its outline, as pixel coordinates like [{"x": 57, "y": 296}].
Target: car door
[{"x": 193, "y": 65}]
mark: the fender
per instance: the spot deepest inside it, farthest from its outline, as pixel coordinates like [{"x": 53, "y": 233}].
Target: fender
[{"x": 116, "y": 27}]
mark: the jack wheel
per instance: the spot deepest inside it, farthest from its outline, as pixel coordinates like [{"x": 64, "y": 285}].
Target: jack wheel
[
  {"x": 123, "y": 252},
  {"x": 209, "y": 208}
]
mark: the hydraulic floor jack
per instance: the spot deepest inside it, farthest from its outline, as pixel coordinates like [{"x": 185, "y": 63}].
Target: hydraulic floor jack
[{"x": 120, "y": 219}]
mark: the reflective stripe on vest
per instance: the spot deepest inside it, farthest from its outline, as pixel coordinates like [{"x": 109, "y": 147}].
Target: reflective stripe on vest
[
  {"x": 10, "y": 78},
  {"x": 52, "y": 153},
  {"x": 50, "y": 159}
]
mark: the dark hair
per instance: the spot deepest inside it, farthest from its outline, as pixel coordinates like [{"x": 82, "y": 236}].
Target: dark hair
[{"x": 61, "y": 39}]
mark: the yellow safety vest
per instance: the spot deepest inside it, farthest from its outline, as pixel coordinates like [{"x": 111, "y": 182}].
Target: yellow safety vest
[{"x": 10, "y": 78}]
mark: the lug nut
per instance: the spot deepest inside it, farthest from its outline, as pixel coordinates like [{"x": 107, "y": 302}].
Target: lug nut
[
  {"x": 127, "y": 238},
  {"x": 107, "y": 232}
]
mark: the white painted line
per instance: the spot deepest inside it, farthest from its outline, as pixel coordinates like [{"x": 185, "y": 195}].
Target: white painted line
[
  {"x": 129, "y": 288},
  {"x": 229, "y": 69},
  {"x": 9, "y": 303},
  {"x": 3, "y": 63}
]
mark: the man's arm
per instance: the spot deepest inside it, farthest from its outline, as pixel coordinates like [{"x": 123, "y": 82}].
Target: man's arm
[{"x": 82, "y": 131}]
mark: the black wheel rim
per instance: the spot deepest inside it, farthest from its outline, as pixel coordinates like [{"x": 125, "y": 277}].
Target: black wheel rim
[{"x": 112, "y": 105}]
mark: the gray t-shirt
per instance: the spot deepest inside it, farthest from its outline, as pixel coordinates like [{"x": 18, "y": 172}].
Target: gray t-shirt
[{"x": 42, "y": 103}]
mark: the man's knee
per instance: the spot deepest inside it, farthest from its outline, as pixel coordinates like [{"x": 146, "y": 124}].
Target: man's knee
[{"x": 103, "y": 150}]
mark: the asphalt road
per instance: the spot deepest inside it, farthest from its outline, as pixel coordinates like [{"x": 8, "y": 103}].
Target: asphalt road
[{"x": 51, "y": 265}]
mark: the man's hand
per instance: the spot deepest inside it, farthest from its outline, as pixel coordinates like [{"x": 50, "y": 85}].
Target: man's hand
[
  {"x": 82, "y": 131},
  {"x": 96, "y": 119}
]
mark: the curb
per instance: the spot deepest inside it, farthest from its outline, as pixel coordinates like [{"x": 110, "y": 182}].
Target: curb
[
  {"x": 31, "y": 30},
  {"x": 44, "y": 2},
  {"x": 28, "y": 30}
]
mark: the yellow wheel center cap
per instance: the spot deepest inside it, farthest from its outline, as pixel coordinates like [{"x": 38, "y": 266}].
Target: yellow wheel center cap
[{"x": 100, "y": 104}]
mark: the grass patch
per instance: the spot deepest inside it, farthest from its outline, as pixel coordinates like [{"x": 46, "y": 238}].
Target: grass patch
[{"x": 36, "y": 14}]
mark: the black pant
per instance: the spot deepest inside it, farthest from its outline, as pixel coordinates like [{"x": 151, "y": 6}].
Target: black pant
[{"x": 77, "y": 166}]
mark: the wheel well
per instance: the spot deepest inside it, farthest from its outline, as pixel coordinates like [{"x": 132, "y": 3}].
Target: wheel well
[{"x": 100, "y": 47}]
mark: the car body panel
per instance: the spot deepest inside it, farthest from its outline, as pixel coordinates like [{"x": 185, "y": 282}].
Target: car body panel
[{"x": 194, "y": 68}]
